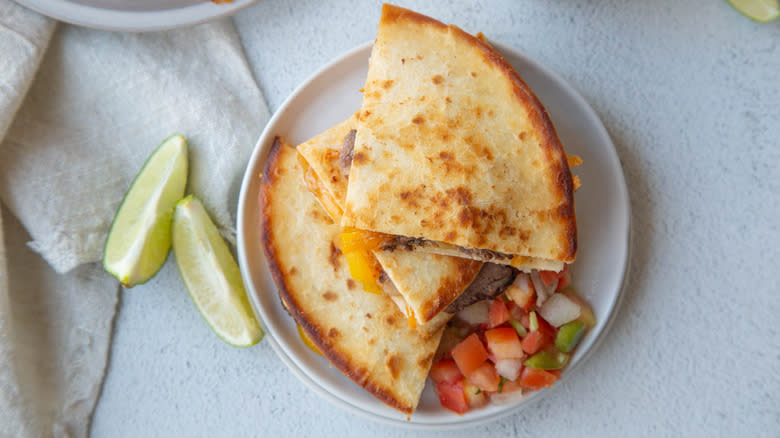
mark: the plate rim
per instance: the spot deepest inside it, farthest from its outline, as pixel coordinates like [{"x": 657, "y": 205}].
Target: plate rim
[
  {"x": 616, "y": 302},
  {"x": 134, "y": 20}
]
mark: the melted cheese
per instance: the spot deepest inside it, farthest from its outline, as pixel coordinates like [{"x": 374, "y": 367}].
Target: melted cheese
[{"x": 358, "y": 247}]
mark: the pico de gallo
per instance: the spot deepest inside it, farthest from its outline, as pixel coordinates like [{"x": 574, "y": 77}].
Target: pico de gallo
[{"x": 519, "y": 341}]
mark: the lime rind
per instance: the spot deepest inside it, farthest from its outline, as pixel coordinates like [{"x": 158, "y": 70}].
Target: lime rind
[
  {"x": 762, "y": 11},
  {"x": 212, "y": 276},
  {"x": 139, "y": 238}
]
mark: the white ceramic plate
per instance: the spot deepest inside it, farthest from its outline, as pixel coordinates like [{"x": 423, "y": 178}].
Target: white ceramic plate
[
  {"x": 331, "y": 95},
  {"x": 134, "y": 15}
]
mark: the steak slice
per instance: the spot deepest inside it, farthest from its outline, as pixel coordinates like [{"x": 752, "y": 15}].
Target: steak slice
[
  {"x": 491, "y": 280},
  {"x": 347, "y": 151}
]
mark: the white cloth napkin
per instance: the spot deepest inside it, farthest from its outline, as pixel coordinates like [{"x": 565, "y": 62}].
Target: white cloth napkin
[
  {"x": 71, "y": 144},
  {"x": 56, "y": 331}
]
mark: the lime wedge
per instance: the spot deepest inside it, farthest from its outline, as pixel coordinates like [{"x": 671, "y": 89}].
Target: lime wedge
[
  {"x": 762, "y": 11},
  {"x": 212, "y": 276},
  {"x": 140, "y": 236}
]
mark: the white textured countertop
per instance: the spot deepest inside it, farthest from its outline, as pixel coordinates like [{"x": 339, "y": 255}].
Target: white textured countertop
[{"x": 690, "y": 93}]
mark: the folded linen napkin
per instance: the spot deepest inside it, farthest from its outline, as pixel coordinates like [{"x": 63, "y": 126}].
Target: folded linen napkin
[
  {"x": 70, "y": 146},
  {"x": 56, "y": 334}
]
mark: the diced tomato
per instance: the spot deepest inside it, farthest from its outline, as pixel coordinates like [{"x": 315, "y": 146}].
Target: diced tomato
[
  {"x": 485, "y": 377},
  {"x": 564, "y": 278},
  {"x": 515, "y": 312},
  {"x": 469, "y": 354},
  {"x": 545, "y": 327},
  {"x": 445, "y": 370},
  {"x": 452, "y": 397},
  {"x": 498, "y": 315},
  {"x": 549, "y": 277},
  {"x": 496, "y": 352},
  {"x": 504, "y": 343},
  {"x": 511, "y": 386},
  {"x": 533, "y": 378},
  {"x": 535, "y": 341},
  {"x": 522, "y": 293}
]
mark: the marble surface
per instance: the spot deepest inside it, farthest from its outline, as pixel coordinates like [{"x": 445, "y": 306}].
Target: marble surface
[{"x": 689, "y": 92}]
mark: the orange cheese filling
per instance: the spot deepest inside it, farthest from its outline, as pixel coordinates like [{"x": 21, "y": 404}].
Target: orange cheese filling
[
  {"x": 358, "y": 247},
  {"x": 518, "y": 261},
  {"x": 411, "y": 317}
]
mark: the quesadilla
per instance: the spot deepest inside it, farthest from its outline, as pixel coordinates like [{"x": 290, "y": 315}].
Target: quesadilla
[
  {"x": 362, "y": 334},
  {"x": 454, "y": 154},
  {"x": 422, "y": 285}
]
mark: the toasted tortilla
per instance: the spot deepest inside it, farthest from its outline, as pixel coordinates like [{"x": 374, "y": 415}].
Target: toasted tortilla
[
  {"x": 454, "y": 148},
  {"x": 362, "y": 334},
  {"x": 427, "y": 283}
]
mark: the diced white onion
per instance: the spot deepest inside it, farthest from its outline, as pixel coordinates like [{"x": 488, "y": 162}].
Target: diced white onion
[
  {"x": 509, "y": 368},
  {"x": 476, "y": 314},
  {"x": 523, "y": 281},
  {"x": 559, "y": 309},
  {"x": 542, "y": 290}
]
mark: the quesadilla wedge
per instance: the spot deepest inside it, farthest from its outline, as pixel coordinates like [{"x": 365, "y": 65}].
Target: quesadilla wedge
[
  {"x": 422, "y": 285},
  {"x": 454, "y": 154},
  {"x": 362, "y": 334}
]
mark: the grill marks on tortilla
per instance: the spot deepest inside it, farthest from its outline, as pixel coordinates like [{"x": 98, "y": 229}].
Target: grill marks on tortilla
[
  {"x": 333, "y": 257},
  {"x": 425, "y": 362},
  {"x": 393, "y": 363},
  {"x": 459, "y": 201},
  {"x": 359, "y": 158},
  {"x": 454, "y": 196},
  {"x": 413, "y": 197},
  {"x": 460, "y": 194},
  {"x": 331, "y": 155},
  {"x": 451, "y": 165}
]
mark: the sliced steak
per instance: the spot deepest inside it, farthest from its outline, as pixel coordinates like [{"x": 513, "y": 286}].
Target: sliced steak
[
  {"x": 491, "y": 280},
  {"x": 404, "y": 242},
  {"x": 485, "y": 254},
  {"x": 347, "y": 151}
]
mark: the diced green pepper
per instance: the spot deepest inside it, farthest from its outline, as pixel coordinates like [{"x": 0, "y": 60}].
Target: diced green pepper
[
  {"x": 569, "y": 336},
  {"x": 533, "y": 322},
  {"x": 521, "y": 331},
  {"x": 501, "y": 384},
  {"x": 544, "y": 360}
]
